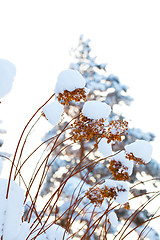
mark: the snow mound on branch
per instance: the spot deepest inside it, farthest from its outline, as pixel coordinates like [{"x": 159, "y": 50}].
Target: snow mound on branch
[
  {"x": 11, "y": 209},
  {"x": 53, "y": 112},
  {"x": 121, "y": 157},
  {"x": 96, "y": 110},
  {"x": 140, "y": 149},
  {"x": 69, "y": 80},
  {"x": 76, "y": 186},
  {"x": 122, "y": 189},
  {"x": 7, "y": 74},
  {"x": 112, "y": 217},
  {"x": 104, "y": 147}
]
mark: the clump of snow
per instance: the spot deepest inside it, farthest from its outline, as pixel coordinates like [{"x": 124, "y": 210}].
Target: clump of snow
[
  {"x": 53, "y": 112},
  {"x": 55, "y": 232},
  {"x": 140, "y": 149},
  {"x": 76, "y": 186},
  {"x": 69, "y": 80},
  {"x": 112, "y": 217},
  {"x": 11, "y": 209},
  {"x": 7, "y": 74},
  {"x": 104, "y": 147},
  {"x": 96, "y": 110},
  {"x": 121, "y": 157},
  {"x": 121, "y": 187}
]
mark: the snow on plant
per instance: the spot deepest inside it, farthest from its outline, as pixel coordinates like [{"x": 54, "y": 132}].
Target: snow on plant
[
  {"x": 70, "y": 86},
  {"x": 95, "y": 204},
  {"x": 92, "y": 121},
  {"x": 120, "y": 166},
  {"x": 140, "y": 151},
  {"x": 7, "y": 74},
  {"x": 53, "y": 112},
  {"x": 104, "y": 147}
]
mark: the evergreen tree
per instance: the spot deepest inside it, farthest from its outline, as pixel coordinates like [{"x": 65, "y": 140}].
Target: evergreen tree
[{"x": 109, "y": 89}]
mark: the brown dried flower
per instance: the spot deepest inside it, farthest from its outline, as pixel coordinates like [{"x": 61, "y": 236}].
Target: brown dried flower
[
  {"x": 116, "y": 129},
  {"x": 109, "y": 192},
  {"x": 95, "y": 196},
  {"x": 76, "y": 95},
  {"x": 130, "y": 156},
  {"x": 126, "y": 206},
  {"x": 119, "y": 171},
  {"x": 85, "y": 128}
]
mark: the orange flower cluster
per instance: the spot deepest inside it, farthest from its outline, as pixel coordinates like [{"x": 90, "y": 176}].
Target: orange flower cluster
[
  {"x": 95, "y": 196},
  {"x": 109, "y": 192},
  {"x": 116, "y": 129},
  {"x": 76, "y": 95},
  {"x": 85, "y": 128},
  {"x": 126, "y": 206},
  {"x": 118, "y": 170},
  {"x": 130, "y": 156}
]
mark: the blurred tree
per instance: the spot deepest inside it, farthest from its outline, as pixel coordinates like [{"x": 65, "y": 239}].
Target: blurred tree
[{"x": 108, "y": 89}]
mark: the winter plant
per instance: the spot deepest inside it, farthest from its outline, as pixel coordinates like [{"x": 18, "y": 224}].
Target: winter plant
[
  {"x": 92, "y": 208},
  {"x": 108, "y": 89}
]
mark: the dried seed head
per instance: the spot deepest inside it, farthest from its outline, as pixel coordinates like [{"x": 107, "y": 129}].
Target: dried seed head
[
  {"x": 118, "y": 170},
  {"x": 76, "y": 95},
  {"x": 85, "y": 128},
  {"x": 95, "y": 196},
  {"x": 137, "y": 160},
  {"x": 116, "y": 129},
  {"x": 109, "y": 192},
  {"x": 126, "y": 206}
]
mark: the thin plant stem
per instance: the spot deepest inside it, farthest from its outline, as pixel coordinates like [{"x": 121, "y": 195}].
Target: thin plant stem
[{"x": 10, "y": 175}]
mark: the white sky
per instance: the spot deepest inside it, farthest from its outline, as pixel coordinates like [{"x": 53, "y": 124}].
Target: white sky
[{"x": 37, "y": 35}]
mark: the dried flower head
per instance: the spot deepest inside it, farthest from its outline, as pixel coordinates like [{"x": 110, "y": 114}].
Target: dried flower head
[
  {"x": 115, "y": 190},
  {"x": 139, "y": 151},
  {"x": 137, "y": 160},
  {"x": 70, "y": 86},
  {"x": 126, "y": 206},
  {"x": 107, "y": 192},
  {"x": 76, "y": 95},
  {"x": 112, "y": 192},
  {"x": 119, "y": 171},
  {"x": 85, "y": 128},
  {"x": 116, "y": 129},
  {"x": 95, "y": 196}
]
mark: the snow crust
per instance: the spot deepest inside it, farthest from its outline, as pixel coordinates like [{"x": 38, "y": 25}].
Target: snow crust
[
  {"x": 69, "y": 80},
  {"x": 121, "y": 157},
  {"x": 96, "y": 110},
  {"x": 105, "y": 148},
  {"x": 11, "y": 209},
  {"x": 7, "y": 74},
  {"x": 55, "y": 232},
  {"x": 53, "y": 112},
  {"x": 120, "y": 185},
  {"x": 24, "y": 231},
  {"x": 140, "y": 149}
]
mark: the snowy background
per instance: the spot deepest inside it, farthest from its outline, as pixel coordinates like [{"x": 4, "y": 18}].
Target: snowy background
[{"x": 37, "y": 35}]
